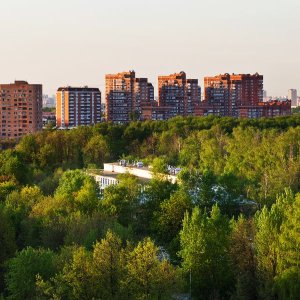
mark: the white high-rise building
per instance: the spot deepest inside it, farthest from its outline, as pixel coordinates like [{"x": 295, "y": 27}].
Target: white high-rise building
[
  {"x": 265, "y": 96},
  {"x": 292, "y": 95},
  {"x": 48, "y": 101}
]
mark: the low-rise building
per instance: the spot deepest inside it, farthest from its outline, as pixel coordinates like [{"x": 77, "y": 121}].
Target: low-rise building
[
  {"x": 104, "y": 179},
  {"x": 48, "y": 118},
  {"x": 108, "y": 176}
]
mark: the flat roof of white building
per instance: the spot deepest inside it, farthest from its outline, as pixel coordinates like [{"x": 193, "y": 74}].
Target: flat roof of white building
[{"x": 141, "y": 172}]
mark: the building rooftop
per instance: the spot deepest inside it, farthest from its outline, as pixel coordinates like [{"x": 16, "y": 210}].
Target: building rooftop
[
  {"x": 130, "y": 165},
  {"x": 109, "y": 174},
  {"x": 78, "y": 89}
]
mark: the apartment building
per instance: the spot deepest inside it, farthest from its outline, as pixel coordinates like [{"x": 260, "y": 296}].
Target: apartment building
[
  {"x": 292, "y": 95},
  {"x": 143, "y": 96},
  {"x": 20, "y": 109},
  {"x": 76, "y": 106},
  {"x": 125, "y": 96},
  {"x": 225, "y": 94},
  {"x": 239, "y": 95},
  {"x": 178, "y": 95},
  {"x": 275, "y": 108}
]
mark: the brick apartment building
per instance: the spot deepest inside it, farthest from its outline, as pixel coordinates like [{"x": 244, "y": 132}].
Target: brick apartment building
[
  {"x": 238, "y": 95},
  {"x": 77, "y": 106},
  {"x": 225, "y": 94},
  {"x": 178, "y": 95},
  {"x": 126, "y": 96},
  {"x": 20, "y": 109}
]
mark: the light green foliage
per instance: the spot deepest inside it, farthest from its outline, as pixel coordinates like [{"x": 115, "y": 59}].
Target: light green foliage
[
  {"x": 12, "y": 165},
  {"x": 199, "y": 186},
  {"x": 107, "y": 266},
  {"x": 159, "y": 166},
  {"x": 71, "y": 182},
  {"x": 170, "y": 144},
  {"x": 170, "y": 216},
  {"x": 111, "y": 272},
  {"x": 6, "y": 187},
  {"x": 87, "y": 275},
  {"x": 25, "y": 199},
  {"x": 149, "y": 146},
  {"x": 204, "y": 243},
  {"x": 267, "y": 160},
  {"x": 80, "y": 189},
  {"x": 205, "y": 150},
  {"x": 241, "y": 165},
  {"x": 146, "y": 277},
  {"x": 268, "y": 224},
  {"x": 87, "y": 197},
  {"x": 74, "y": 279},
  {"x": 27, "y": 148},
  {"x": 213, "y": 150},
  {"x": 122, "y": 200},
  {"x": 60, "y": 222},
  {"x": 156, "y": 191},
  {"x": 82, "y": 229},
  {"x": 266, "y": 242},
  {"x": 242, "y": 258},
  {"x": 19, "y": 205},
  {"x": 288, "y": 279},
  {"x": 189, "y": 155},
  {"x": 73, "y": 282},
  {"x": 96, "y": 151}
]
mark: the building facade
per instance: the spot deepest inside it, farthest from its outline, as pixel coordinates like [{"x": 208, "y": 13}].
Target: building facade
[
  {"x": 20, "y": 109},
  {"x": 49, "y": 118},
  {"x": 109, "y": 175},
  {"x": 225, "y": 95},
  {"x": 239, "y": 95},
  {"x": 236, "y": 95},
  {"x": 275, "y": 108},
  {"x": 178, "y": 95},
  {"x": 48, "y": 101},
  {"x": 292, "y": 95},
  {"x": 76, "y": 106},
  {"x": 126, "y": 96}
]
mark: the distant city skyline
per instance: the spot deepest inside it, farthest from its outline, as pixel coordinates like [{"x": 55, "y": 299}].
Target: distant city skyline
[{"x": 59, "y": 43}]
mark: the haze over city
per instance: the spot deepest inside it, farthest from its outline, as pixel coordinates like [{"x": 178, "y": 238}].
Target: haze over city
[{"x": 77, "y": 42}]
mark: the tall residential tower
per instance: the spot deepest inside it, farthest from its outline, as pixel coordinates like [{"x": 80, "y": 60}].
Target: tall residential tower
[
  {"x": 178, "y": 95},
  {"x": 20, "y": 109},
  {"x": 292, "y": 95},
  {"x": 77, "y": 106},
  {"x": 125, "y": 96},
  {"x": 234, "y": 95}
]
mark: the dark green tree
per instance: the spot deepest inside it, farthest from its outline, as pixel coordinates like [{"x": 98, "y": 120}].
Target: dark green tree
[{"x": 23, "y": 269}]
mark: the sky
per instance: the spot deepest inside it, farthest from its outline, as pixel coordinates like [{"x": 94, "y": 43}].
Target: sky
[{"x": 76, "y": 42}]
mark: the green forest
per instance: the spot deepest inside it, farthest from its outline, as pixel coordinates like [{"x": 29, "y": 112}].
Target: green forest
[{"x": 228, "y": 229}]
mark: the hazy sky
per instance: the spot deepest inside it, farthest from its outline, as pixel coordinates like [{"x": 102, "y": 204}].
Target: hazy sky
[{"x": 76, "y": 42}]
